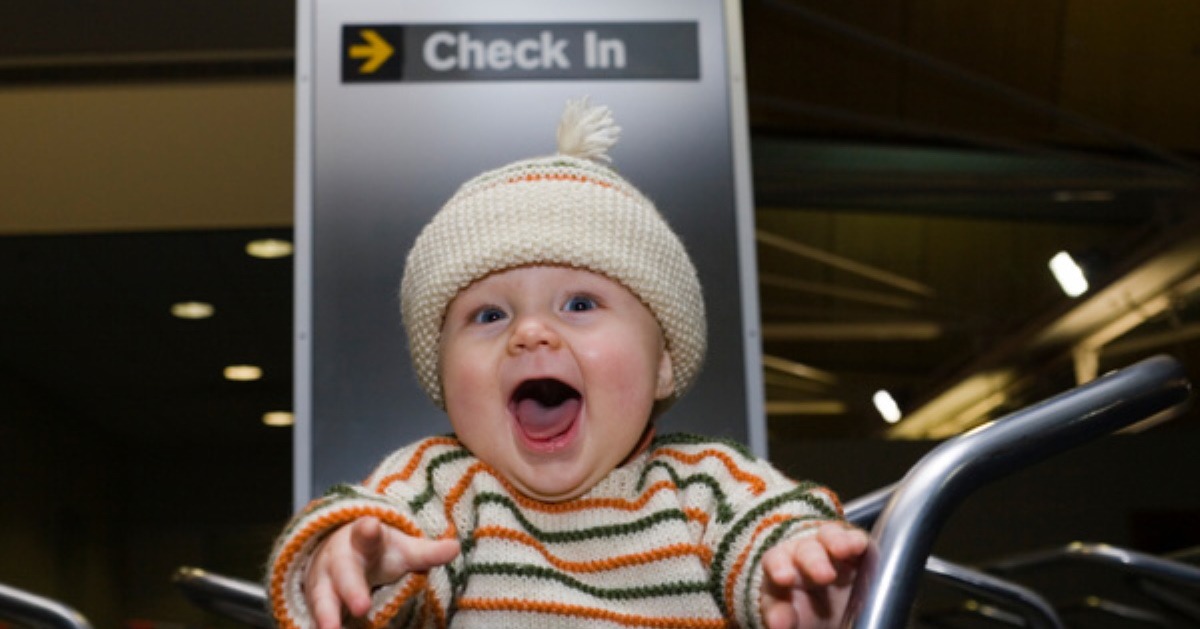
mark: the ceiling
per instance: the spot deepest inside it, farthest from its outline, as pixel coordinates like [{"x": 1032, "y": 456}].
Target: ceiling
[{"x": 915, "y": 166}]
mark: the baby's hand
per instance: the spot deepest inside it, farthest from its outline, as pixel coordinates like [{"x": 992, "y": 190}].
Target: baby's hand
[
  {"x": 361, "y": 555},
  {"x": 807, "y": 581}
]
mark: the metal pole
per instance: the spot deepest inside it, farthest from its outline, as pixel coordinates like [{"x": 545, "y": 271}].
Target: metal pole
[{"x": 904, "y": 532}]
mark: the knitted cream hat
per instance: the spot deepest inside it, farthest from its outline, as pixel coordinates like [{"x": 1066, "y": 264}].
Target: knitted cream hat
[{"x": 567, "y": 209}]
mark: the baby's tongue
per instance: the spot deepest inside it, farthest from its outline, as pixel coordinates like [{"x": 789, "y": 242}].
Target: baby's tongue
[{"x": 543, "y": 422}]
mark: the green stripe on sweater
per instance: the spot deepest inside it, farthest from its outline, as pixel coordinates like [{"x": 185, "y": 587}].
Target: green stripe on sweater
[
  {"x": 768, "y": 542},
  {"x": 724, "y": 509},
  {"x": 429, "y": 493},
  {"x": 525, "y": 571},
  {"x": 801, "y": 493},
  {"x": 579, "y": 535}
]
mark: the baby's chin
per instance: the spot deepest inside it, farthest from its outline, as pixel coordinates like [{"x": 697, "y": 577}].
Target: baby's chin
[{"x": 538, "y": 488}]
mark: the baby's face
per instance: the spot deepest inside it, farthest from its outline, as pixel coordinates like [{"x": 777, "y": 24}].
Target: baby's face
[{"x": 550, "y": 375}]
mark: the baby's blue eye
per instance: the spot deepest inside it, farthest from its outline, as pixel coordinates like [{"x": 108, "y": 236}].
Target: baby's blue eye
[
  {"x": 488, "y": 315},
  {"x": 580, "y": 303}
]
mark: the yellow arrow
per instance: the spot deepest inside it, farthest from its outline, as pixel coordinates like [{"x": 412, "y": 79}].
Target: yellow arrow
[{"x": 376, "y": 51}]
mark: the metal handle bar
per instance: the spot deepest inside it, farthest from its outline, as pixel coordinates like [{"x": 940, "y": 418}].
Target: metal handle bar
[
  {"x": 23, "y": 607},
  {"x": 242, "y": 600},
  {"x": 1172, "y": 600},
  {"x": 1150, "y": 570},
  {"x": 1118, "y": 610},
  {"x": 1130, "y": 561},
  {"x": 864, "y": 510},
  {"x": 905, "y": 530},
  {"x": 1036, "y": 612}
]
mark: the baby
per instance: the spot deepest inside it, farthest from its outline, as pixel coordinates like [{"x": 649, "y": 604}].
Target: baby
[{"x": 554, "y": 315}]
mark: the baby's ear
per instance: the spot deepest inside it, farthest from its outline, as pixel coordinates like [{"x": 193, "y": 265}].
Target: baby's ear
[{"x": 665, "y": 387}]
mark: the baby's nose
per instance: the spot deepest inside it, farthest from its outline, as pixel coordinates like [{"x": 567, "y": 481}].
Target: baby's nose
[{"x": 531, "y": 333}]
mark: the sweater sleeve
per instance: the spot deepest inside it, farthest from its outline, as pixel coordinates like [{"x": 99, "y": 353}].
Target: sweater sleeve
[
  {"x": 387, "y": 495},
  {"x": 756, "y": 507}
]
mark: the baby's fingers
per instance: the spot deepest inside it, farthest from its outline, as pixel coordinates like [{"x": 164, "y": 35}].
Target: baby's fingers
[
  {"x": 396, "y": 554},
  {"x": 350, "y": 587},
  {"x": 841, "y": 542},
  {"x": 780, "y": 571},
  {"x": 367, "y": 537},
  {"x": 423, "y": 554},
  {"x": 813, "y": 563},
  {"x": 326, "y": 607},
  {"x": 779, "y": 614}
]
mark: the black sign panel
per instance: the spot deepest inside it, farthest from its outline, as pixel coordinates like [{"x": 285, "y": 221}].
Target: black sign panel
[{"x": 520, "y": 52}]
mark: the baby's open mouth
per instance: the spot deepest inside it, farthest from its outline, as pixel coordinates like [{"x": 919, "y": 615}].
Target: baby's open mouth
[{"x": 545, "y": 408}]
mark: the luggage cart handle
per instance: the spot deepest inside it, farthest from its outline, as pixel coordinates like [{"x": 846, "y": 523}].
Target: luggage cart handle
[
  {"x": 1035, "y": 611},
  {"x": 1123, "y": 559},
  {"x": 20, "y": 606},
  {"x": 904, "y": 532},
  {"x": 234, "y": 598}
]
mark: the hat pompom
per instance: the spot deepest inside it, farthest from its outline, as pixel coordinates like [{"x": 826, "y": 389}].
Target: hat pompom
[{"x": 587, "y": 131}]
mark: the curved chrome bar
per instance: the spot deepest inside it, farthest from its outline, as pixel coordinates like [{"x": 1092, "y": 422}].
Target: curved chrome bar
[
  {"x": 864, "y": 510},
  {"x": 20, "y": 606},
  {"x": 1118, "y": 610},
  {"x": 1035, "y": 609},
  {"x": 1168, "y": 598},
  {"x": 1037, "y": 612},
  {"x": 244, "y": 601},
  {"x": 905, "y": 530},
  {"x": 1129, "y": 561}
]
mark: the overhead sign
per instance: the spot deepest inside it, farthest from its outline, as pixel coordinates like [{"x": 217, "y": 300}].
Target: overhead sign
[{"x": 520, "y": 52}]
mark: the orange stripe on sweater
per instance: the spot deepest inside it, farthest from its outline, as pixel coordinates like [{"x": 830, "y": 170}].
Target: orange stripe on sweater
[
  {"x": 828, "y": 493},
  {"x": 456, "y": 494},
  {"x": 322, "y": 523},
  {"x": 558, "y": 177},
  {"x": 757, "y": 485},
  {"x": 413, "y": 462},
  {"x": 736, "y": 570},
  {"x": 592, "y": 613},
  {"x": 389, "y": 611},
  {"x": 387, "y": 614},
  {"x": 697, "y": 514},
  {"x": 599, "y": 565}
]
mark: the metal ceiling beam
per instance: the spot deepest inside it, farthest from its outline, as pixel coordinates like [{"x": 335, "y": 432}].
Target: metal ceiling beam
[{"x": 987, "y": 85}]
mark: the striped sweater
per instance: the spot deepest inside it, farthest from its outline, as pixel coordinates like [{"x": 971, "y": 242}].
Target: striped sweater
[{"x": 673, "y": 538}]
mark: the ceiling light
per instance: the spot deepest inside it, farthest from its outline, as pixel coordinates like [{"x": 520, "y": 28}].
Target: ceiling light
[
  {"x": 243, "y": 373},
  {"x": 798, "y": 370},
  {"x": 807, "y": 407},
  {"x": 1069, "y": 274},
  {"x": 1083, "y": 196},
  {"x": 279, "y": 418},
  {"x": 887, "y": 407},
  {"x": 192, "y": 310},
  {"x": 269, "y": 248},
  {"x": 959, "y": 407}
]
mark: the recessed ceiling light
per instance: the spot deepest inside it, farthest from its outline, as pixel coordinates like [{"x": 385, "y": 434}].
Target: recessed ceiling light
[
  {"x": 192, "y": 310},
  {"x": 887, "y": 407},
  {"x": 279, "y": 418},
  {"x": 1069, "y": 274},
  {"x": 243, "y": 373},
  {"x": 269, "y": 248}
]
